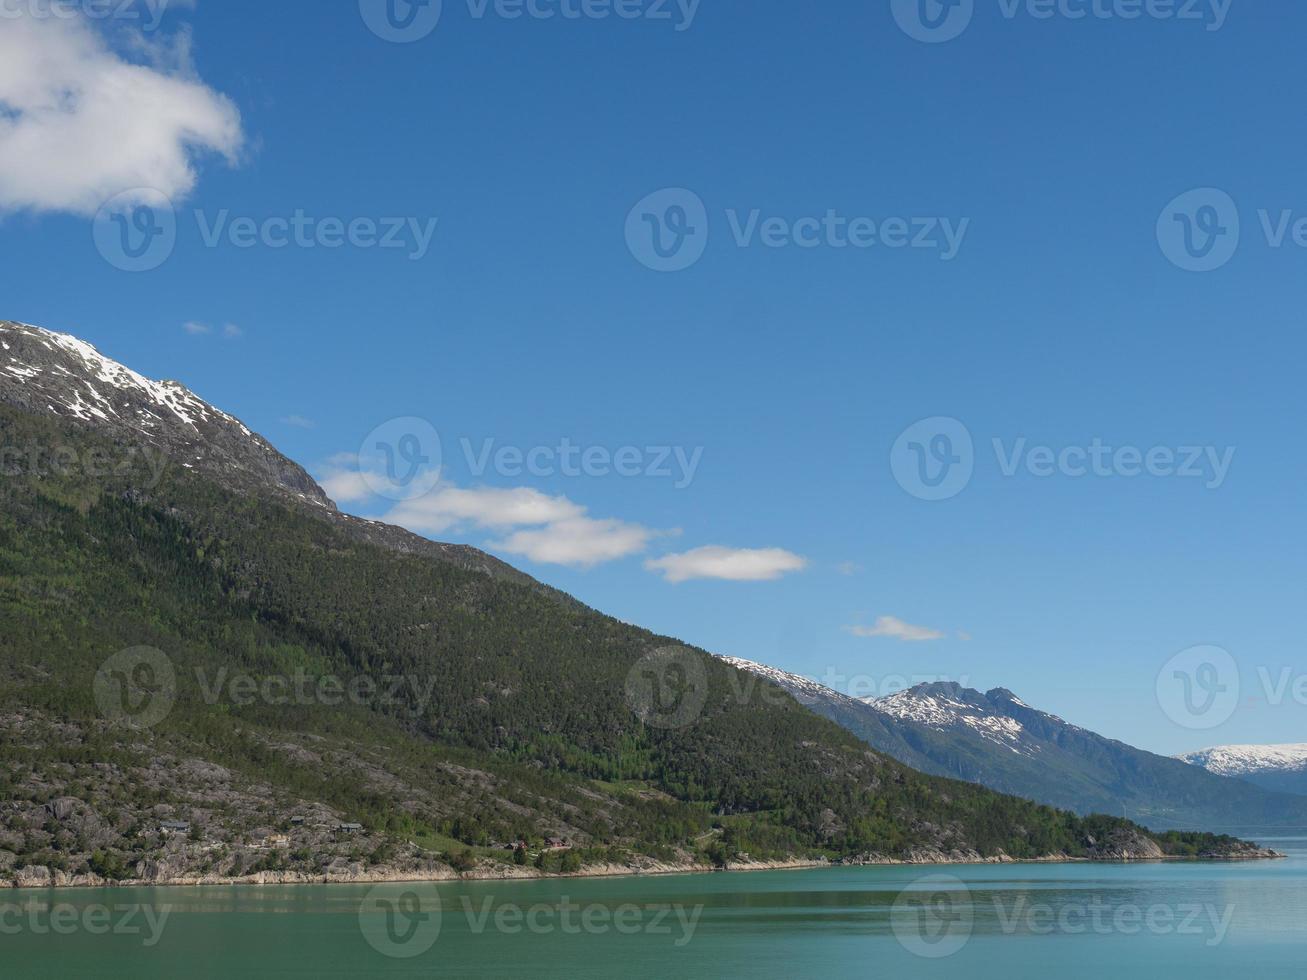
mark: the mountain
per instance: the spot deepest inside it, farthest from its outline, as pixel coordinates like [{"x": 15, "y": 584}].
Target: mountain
[
  {"x": 68, "y": 378},
  {"x": 999, "y": 741},
  {"x": 208, "y": 673},
  {"x": 1280, "y": 768},
  {"x": 152, "y": 423}
]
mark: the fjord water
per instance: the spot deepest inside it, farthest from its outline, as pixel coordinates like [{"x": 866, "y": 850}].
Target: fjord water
[{"x": 1192, "y": 920}]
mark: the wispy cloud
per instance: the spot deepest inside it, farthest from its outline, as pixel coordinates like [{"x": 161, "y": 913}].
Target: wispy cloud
[
  {"x": 550, "y": 530},
  {"x": 485, "y": 507},
  {"x": 298, "y": 422},
  {"x": 195, "y": 329},
  {"x": 232, "y": 332},
  {"x": 731, "y": 564},
  {"x": 895, "y": 628},
  {"x": 346, "y": 486},
  {"x": 80, "y": 123},
  {"x": 579, "y": 541}
]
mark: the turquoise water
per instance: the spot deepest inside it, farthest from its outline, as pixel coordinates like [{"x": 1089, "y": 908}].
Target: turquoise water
[{"x": 1152, "y": 920}]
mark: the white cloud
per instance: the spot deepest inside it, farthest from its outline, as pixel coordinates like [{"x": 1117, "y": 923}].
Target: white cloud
[
  {"x": 195, "y": 329},
  {"x": 578, "y": 541},
  {"x": 346, "y": 486},
  {"x": 79, "y": 123},
  {"x": 298, "y": 422},
  {"x": 232, "y": 332},
  {"x": 848, "y": 568},
  {"x": 490, "y": 507},
  {"x": 545, "y": 529},
  {"x": 895, "y": 628},
  {"x": 733, "y": 564}
]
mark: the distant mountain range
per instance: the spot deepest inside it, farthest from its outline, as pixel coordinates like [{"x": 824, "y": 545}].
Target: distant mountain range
[
  {"x": 999, "y": 741},
  {"x": 1281, "y": 768}
]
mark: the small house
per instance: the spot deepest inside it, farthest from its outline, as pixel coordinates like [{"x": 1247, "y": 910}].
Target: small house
[
  {"x": 174, "y": 827},
  {"x": 349, "y": 828}
]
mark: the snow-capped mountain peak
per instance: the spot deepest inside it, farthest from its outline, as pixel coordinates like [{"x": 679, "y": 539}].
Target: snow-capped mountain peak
[
  {"x": 945, "y": 706},
  {"x": 111, "y": 388},
  {"x": 1243, "y": 760},
  {"x": 56, "y": 374}
]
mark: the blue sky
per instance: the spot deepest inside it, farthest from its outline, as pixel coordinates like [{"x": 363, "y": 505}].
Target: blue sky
[{"x": 1032, "y": 159}]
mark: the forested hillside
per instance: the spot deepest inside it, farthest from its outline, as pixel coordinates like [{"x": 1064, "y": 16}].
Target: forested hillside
[{"x": 480, "y": 707}]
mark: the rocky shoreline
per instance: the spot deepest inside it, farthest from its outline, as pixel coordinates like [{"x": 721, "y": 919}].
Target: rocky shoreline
[{"x": 44, "y": 878}]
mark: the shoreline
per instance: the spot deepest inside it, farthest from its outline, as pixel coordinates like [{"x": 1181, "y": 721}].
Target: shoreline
[{"x": 65, "y": 882}]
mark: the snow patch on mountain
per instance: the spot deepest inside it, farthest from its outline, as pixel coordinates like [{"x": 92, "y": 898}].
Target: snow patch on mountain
[
  {"x": 942, "y": 711},
  {"x": 167, "y": 396},
  {"x": 49, "y": 373},
  {"x": 1244, "y": 760},
  {"x": 797, "y": 685}
]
